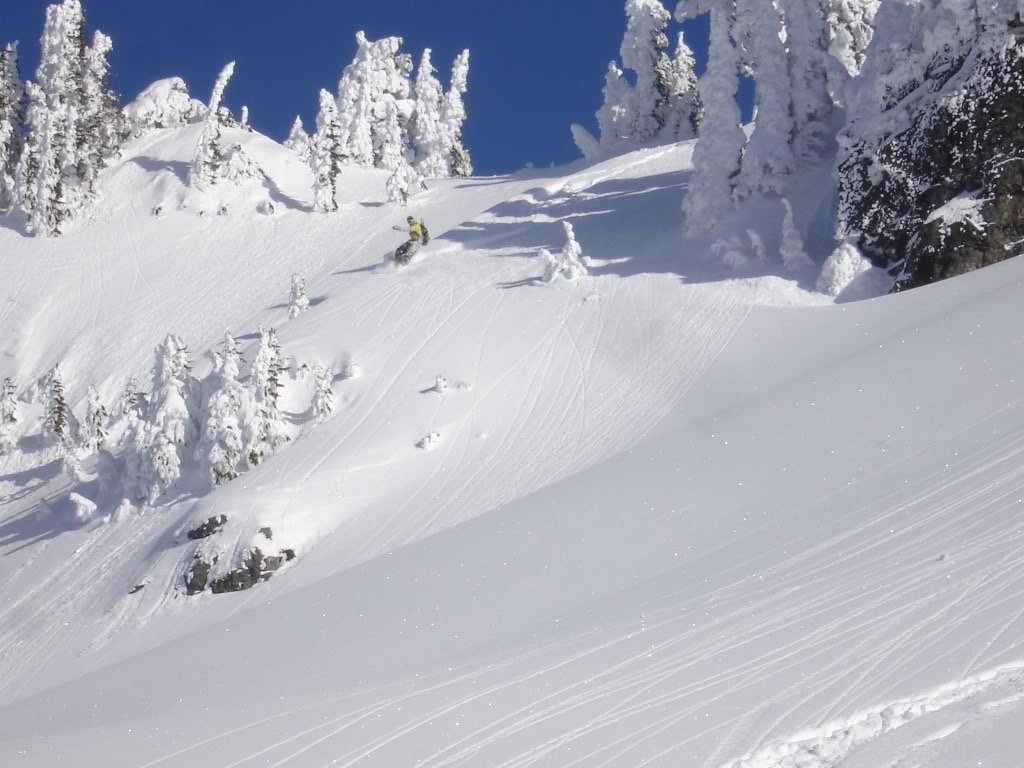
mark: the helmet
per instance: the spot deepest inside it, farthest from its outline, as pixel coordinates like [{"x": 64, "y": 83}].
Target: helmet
[{"x": 410, "y": 219}]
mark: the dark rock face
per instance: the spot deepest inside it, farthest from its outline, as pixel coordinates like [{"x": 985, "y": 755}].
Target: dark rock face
[
  {"x": 945, "y": 195},
  {"x": 255, "y": 568},
  {"x": 210, "y": 527}
]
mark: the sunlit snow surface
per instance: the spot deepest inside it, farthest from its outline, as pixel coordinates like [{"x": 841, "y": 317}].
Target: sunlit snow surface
[{"x": 675, "y": 513}]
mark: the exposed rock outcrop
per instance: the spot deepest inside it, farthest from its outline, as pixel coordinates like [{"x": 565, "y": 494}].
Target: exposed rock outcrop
[{"x": 935, "y": 187}]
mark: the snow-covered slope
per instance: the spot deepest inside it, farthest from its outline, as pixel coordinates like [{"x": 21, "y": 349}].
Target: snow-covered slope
[{"x": 676, "y": 513}]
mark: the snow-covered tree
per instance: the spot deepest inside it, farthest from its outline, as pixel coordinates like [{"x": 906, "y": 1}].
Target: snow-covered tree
[
  {"x": 768, "y": 157},
  {"x": 323, "y": 395},
  {"x": 403, "y": 184},
  {"x": 94, "y": 429},
  {"x": 8, "y": 415},
  {"x": 325, "y": 154},
  {"x": 644, "y": 50},
  {"x": 453, "y": 116},
  {"x": 683, "y": 111},
  {"x": 102, "y": 126},
  {"x": 298, "y": 140},
  {"x": 12, "y": 123},
  {"x": 615, "y": 118},
  {"x": 808, "y": 80},
  {"x": 425, "y": 129},
  {"x": 156, "y": 440},
  {"x": 265, "y": 428},
  {"x": 220, "y": 446},
  {"x": 73, "y": 123},
  {"x": 129, "y": 401},
  {"x": 209, "y": 155},
  {"x": 298, "y": 301},
  {"x": 569, "y": 263},
  {"x": 378, "y": 75},
  {"x": 56, "y": 413},
  {"x": 390, "y": 147},
  {"x": 716, "y": 157},
  {"x": 850, "y": 27},
  {"x": 794, "y": 255}
]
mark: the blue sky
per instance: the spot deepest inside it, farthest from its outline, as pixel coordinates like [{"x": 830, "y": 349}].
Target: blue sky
[{"x": 536, "y": 66}]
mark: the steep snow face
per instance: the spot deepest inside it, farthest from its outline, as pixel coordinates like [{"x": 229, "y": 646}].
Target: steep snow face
[{"x": 671, "y": 510}]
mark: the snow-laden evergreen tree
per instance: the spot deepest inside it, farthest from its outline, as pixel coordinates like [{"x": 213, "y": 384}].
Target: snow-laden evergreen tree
[
  {"x": 56, "y": 413},
  {"x": 265, "y": 428},
  {"x": 644, "y": 50},
  {"x": 73, "y": 122},
  {"x": 403, "y": 184},
  {"x": 390, "y": 147},
  {"x": 768, "y": 157},
  {"x": 102, "y": 126},
  {"x": 850, "y": 27},
  {"x": 94, "y": 428},
  {"x": 453, "y": 116},
  {"x": 298, "y": 140},
  {"x": 379, "y": 74},
  {"x": 8, "y": 415},
  {"x": 156, "y": 441},
  {"x": 684, "y": 112},
  {"x": 323, "y": 395},
  {"x": 209, "y": 155},
  {"x": 129, "y": 401},
  {"x": 298, "y": 301},
  {"x": 425, "y": 129},
  {"x": 569, "y": 263},
  {"x": 220, "y": 445},
  {"x": 326, "y": 154},
  {"x": 716, "y": 157},
  {"x": 794, "y": 255},
  {"x": 12, "y": 124},
  {"x": 806, "y": 38},
  {"x": 615, "y": 117}
]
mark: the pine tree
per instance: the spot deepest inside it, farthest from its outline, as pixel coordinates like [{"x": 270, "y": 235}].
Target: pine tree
[
  {"x": 644, "y": 51},
  {"x": 12, "y": 124},
  {"x": 684, "y": 113},
  {"x": 425, "y": 129},
  {"x": 129, "y": 398},
  {"x": 403, "y": 184},
  {"x": 73, "y": 122},
  {"x": 379, "y": 74},
  {"x": 298, "y": 140},
  {"x": 716, "y": 157},
  {"x": 614, "y": 118},
  {"x": 769, "y": 156},
  {"x": 209, "y": 155},
  {"x": 56, "y": 418},
  {"x": 325, "y": 155},
  {"x": 794, "y": 255},
  {"x": 220, "y": 444},
  {"x": 102, "y": 126},
  {"x": 323, "y": 395},
  {"x": 453, "y": 116},
  {"x": 298, "y": 301},
  {"x": 8, "y": 415},
  {"x": 808, "y": 80},
  {"x": 265, "y": 428},
  {"x": 94, "y": 429},
  {"x": 156, "y": 441}
]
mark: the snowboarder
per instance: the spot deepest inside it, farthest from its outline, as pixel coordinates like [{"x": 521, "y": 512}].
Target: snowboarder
[{"x": 406, "y": 250}]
